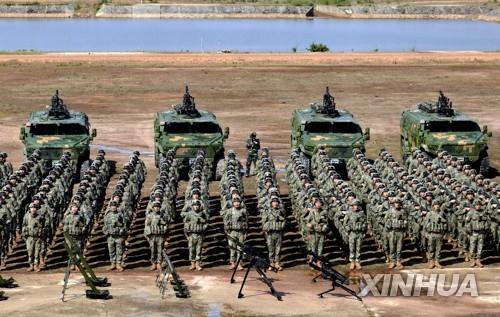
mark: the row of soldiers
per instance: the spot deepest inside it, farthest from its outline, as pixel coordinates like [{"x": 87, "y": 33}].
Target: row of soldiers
[
  {"x": 15, "y": 196},
  {"x": 307, "y": 205},
  {"x": 160, "y": 211},
  {"x": 83, "y": 210},
  {"x": 5, "y": 168},
  {"x": 470, "y": 206},
  {"x": 271, "y": 208},
  {"x": 195, "y": 213},
  {"x": 344, "y": 210},
  {"x": 233, "y": 210},
  {"x": 120, "y": 210}
]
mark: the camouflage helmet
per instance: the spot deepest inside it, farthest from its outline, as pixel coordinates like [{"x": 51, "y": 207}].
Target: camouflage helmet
[
  {"x": 196, "y": 202},
  {"x": 355, "y": 202}
]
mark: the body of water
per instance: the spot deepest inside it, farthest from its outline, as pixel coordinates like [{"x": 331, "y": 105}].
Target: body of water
[{"x": 248, "y": 35}]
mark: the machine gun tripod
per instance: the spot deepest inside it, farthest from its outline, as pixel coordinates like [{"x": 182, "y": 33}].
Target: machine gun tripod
[
  {"x": 168, "y": 270},
  {"x": 76, "y": 258},
  {"x": 327, "y": 272},
  {"x": 256, "y": 261}
]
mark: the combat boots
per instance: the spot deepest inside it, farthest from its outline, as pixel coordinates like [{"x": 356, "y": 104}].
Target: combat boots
[
  {"x": 198, "y": 266},
  {"x": 31, "y": 268},
  {"x": 112, "y": 266},
  {"x": 472, "y": 262},
  {"x": 278, "y": 266},
  {"x": 158, "y": 266},
  {"x": 193, "y": 266},
  {"x": 240, "y": 267},
  {"x": 391, "y": 265},
  {"x": 399, "y": 266},
  {"x": 467, "y": 257},
  {"x": 37, "y": 268},
  {"x": 119, "y": 267},
  {"x": 357, "y": 265},
  {"x": 352, "y": 266},
  {"x": 73, "y": 267},
  {"x": 437, "y": 265},
  {"x": 231, "y": 265},
  {"x": 153, "y": 267},
  {"x": 430, "y": 264},
  {"x": 42, "y": 263},
  {"x": 478, "y": 263}
]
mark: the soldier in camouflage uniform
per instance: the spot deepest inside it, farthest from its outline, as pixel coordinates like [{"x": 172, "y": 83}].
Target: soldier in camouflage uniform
[
  {"x": 32, "y": 232},
  {"x": 195, "y": 225},
  {"x": 74, "y": 226},
  {"x": 273, "y": 224},
  {"x": 155, "y": 231},
  {"x": 355, "y": 226},
  {"x": 477, "y": 227},
  {"x": 235, "y": 225},
  {"x": 317, "y": 226},
  {"x": 395, "y": 226},
  {"x": 253, "y": 147},
  {"x": 116, "y": 231},
  {"x": 435, "y": 226}
]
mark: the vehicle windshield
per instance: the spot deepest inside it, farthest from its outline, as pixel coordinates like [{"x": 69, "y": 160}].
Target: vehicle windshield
[
  {"x": 453, "y": 126},
  {"x": 195, "y": 127},
  {"x": 332, "y": 127},
  {"x": 61, "y": 129}
]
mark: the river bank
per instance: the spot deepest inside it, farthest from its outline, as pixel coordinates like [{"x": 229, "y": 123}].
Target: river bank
[{"x": 484, "y": 11}]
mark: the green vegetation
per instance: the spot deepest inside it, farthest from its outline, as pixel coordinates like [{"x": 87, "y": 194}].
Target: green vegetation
[
  {"x": 99, "y": 4},
  {"x": 318, "y": 47},
  {"x": 300, "y": 2}
]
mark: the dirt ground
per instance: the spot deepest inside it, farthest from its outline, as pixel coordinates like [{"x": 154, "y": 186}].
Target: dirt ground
[
  {"x": 247, "y": 92},
  {"x": 135, "y": 294},
  {"x": 258, "y": 92}
]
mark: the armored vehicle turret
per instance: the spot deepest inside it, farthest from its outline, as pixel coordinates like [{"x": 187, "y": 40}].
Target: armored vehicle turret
[
  {"x": 188, "y": 130},
  {"x": 435, "y": 126},
  {"x": 57, "y": 129},
  {"x": 324, "y": 125}
]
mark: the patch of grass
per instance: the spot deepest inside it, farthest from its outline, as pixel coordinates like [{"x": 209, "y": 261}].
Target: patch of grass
[
  {"x": 375, "y": 50},
  {"x": 335, "y": 2},
  {"x": 99, "y": 4},
  {"x": 318, "y": 47},
  {"x": 21, "y": 51}
]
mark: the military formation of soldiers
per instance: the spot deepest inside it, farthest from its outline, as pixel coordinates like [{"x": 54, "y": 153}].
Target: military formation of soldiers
[
  {"x": 15, "y": 197},
  {"x": 120, "y": 210},
  {"x": 346, "y": 218},
  {"x": 86, "y": 202},
  {"x": 160, "y": 211},
  {"x": 429, "y": 201},
  {"x": 307, "y": 205},
  {"x": 272, "y": 211},
  {"x": 195, "y": 213},
  {"x": 233, "y": 210}
]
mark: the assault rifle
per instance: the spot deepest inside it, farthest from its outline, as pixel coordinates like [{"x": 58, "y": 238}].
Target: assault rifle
[
  {"x": 76, "y": 258},
  {"x": 167, "y": 270},
  {"x": 327, "y": 272},
  {"x": 256, "y": 261}
]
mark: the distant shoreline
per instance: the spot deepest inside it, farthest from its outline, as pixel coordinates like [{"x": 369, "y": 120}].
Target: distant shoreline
[{"x": 485, "y": 12}]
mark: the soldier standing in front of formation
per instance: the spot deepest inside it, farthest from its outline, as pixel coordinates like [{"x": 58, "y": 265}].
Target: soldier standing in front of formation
[
  {"x": 395, "y": 225},
  {"x": 5, "y": 167},
  {"x": 355, "y": 225},
  {"x": 195, "y": 225},
  {"x": 236, "y": 225},
  {"x": 115, "y": 229},
  {"x": 253, "y": 147},
  {"x": 32, "y": 231},
  {"x": 317, "y": 226},
  {"x": 435, "y": 227},
  {"x": 74, "y": 225},
  {"x": 155, "y": 231},
  {"x": 273, "y": 224},
  {"x": 476, "y": 226}
]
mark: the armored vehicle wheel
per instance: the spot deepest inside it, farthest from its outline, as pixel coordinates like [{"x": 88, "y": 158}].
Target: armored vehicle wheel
[{"x": 484, "y": 166}]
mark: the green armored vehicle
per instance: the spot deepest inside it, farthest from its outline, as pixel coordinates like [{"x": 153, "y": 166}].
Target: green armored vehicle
[
  {"x": 324, "y": 125},
  {"x": 188, "y": 130},
  {"x": 58, "y": 129},
  {"x": 436, "y": 126}
]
